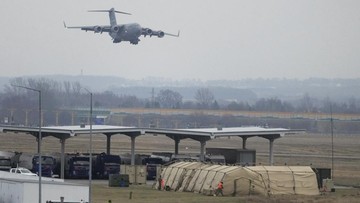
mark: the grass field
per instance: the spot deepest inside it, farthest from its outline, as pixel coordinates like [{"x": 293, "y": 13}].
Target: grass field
[
  {"x": 301, "y": 149},
  {"x": 146, "y": 194}
]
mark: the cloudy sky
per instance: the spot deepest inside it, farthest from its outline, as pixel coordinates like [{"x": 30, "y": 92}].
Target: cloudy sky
[{"x": 232, "y": 39}]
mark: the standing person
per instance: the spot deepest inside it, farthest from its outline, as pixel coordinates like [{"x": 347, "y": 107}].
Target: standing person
[
  {"x": 219, "y": 189},
  {"x": 160, "y": 182}
]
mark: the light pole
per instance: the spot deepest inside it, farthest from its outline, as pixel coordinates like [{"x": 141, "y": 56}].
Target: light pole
[
  {"x": 39, "y": 137},
  {"x": 90, "y": 144},
  {"x": 332, "y": 142}
]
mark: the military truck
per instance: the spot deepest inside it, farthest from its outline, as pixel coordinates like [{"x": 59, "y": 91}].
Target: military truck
[
  {"x": 6, "y": 160},
  {"x": 77, "y": 166},
  {"x": 152, "y": 165},
  {"x": 106, "y": 164},
  {"x": 31, "y": 162},
  {"x": 5, "y": 163}
]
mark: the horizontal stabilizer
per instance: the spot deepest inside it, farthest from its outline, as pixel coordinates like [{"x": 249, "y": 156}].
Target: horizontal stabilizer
[{"x": 111, "y": 10}]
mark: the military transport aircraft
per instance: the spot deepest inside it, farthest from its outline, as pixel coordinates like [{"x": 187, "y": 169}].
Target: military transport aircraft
[{"x": 122, "y": 32}]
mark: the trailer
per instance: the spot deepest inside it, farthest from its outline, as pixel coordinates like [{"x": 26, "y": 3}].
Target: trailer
[{"x": 24, "y": 189}]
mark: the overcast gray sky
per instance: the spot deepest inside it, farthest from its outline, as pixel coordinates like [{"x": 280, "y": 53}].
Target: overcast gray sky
[{"x": 231, "y": 39}]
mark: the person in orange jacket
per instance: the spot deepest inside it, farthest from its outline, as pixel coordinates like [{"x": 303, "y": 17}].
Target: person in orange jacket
[
  {"x": 163, "y": 184},
  {"x": 160, "y": 180},
  {"x": 219, "y": 189}
]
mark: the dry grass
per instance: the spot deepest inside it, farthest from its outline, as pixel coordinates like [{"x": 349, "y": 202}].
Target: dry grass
[
  {"x": 304, "y": 149},
  {"x": 144, "y": 193}
]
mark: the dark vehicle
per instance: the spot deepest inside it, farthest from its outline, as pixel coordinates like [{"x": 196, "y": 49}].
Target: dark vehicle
[
  {"x": 48, "y": 164},
  {"x": 6, "y": 160},
  {"x": 215, "y": 159},
  {"x": 5, "y": 163},
  {"x": 77, "y": 166},
  {"x": 165, "y": 156},
  {"x": 125, "y": 160},
  {"x": 106, "y": 164},
  {"x": 152, "y": 163},
  {"x": 31, "y": 162},
  {"x": 183, "y": 157}
]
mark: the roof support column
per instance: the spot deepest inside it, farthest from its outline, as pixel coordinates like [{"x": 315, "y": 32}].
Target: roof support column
[
  {"x": 244, "y": 142},
  {"x": 39, "y": 145},
  {"x": 62, "y": 158},
  {"x": 108, "y": 143},
  {"x": 177, "y": 141},
  {"x": 132, "y": 150},
  {"x": 271, "y": 152},
  {"x": 72, "y": 118},
  {"x": 202, "y": 150},
  {"x": 132, "y": 137}
]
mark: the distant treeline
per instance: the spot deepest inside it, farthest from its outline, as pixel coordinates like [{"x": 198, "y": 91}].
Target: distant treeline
[
  {"x": 16, "y": 102},
  {"x": 209, "y": 121}
]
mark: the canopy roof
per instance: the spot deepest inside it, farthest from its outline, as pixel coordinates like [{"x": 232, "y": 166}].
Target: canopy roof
[{"x": 193, "y": 133}]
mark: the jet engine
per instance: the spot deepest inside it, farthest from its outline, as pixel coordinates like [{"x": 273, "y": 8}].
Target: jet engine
[
  {"x": 115, "y": 28},
  {"x": 148, "y": 31},
  {"x": 97, "y": 29},
  {"x": 158, "y": 33}
]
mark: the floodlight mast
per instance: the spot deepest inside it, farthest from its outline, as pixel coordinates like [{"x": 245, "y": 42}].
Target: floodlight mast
[
  {"x": 39, "y": 136},
  {"x": 332, "y": 141},
  {"x": 90, "y": 144}
]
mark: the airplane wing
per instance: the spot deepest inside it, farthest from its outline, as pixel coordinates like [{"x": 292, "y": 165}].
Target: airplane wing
[
  {"x": 95, "y": 28},
  {"x": 150, "y": 32},
  {"x": 178, "y": 34}
]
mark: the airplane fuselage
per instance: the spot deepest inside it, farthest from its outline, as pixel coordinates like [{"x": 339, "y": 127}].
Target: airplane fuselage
[{"x": 128, "y": 32}]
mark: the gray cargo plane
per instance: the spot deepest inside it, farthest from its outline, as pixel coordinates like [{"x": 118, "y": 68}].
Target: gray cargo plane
[{"x": 122, "y": 32}]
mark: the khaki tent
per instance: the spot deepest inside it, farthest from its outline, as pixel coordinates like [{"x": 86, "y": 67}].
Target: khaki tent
[
  {"x": 174, "y": 174},
  {"x": 169, "y": 172},
  {"x": 265, "y": 180},
  {"x": 178, "y": 178},
  {"x": 283, "y": 179},
  {"x": 188, "y": 175}
]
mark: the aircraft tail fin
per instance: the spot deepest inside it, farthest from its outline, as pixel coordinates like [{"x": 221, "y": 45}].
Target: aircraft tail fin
[{"x": 111, "y": 12}]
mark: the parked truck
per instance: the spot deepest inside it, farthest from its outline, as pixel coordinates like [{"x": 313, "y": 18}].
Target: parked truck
[
  {"x": 152, "y": 165},
  {"x": 48, "y": 164},
  {"x": 106, "y": 164},
  {"x": 77, "y": 166},
  {"x": 6, "y": 162},
  {"x": 31, "y": 162}
]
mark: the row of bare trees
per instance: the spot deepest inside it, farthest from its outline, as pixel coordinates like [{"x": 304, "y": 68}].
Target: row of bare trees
[{"x": 60, "y": 95}]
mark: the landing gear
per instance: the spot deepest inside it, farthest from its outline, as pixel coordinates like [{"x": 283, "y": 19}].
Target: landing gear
[{"x": 136, "y": 41}]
